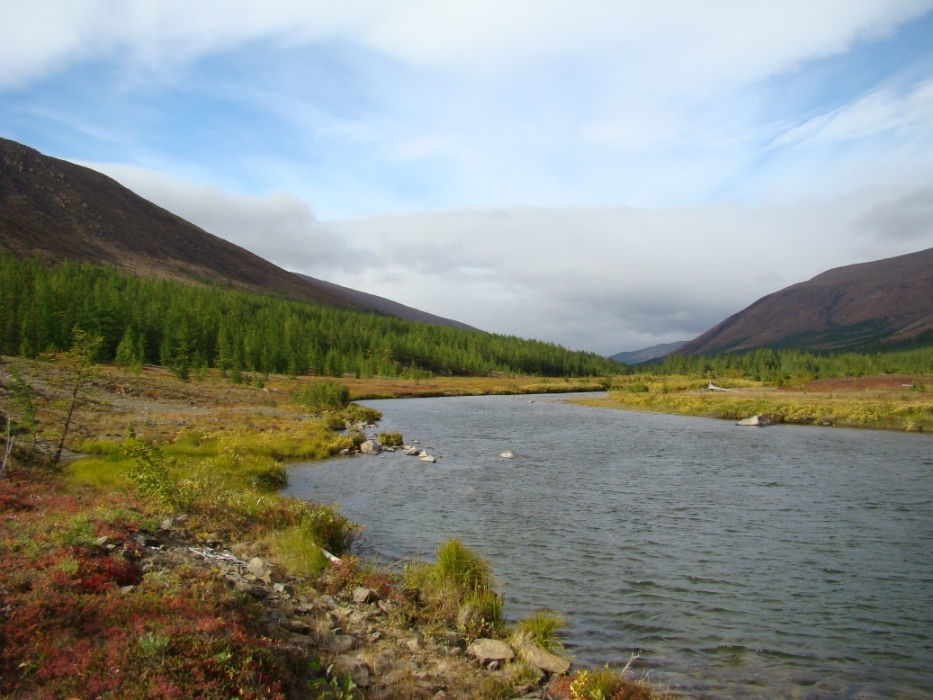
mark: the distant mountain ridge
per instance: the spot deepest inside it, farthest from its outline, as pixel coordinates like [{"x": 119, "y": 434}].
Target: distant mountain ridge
[
  {"x": 887, "y": 301},
  {"x": 57, "y": 211},
  {"x": 653, "y": 352}
]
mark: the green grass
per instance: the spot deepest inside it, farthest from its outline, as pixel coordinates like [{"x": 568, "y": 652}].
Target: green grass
[
  {"x": 296, "y": 551},
  {"x": 458, "y": 589},
  {"x": 542, "y": 627}
]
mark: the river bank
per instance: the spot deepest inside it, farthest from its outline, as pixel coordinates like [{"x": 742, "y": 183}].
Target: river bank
[
  {"x": 889, "y": 402},
  {"x": 184, "y": 588}
]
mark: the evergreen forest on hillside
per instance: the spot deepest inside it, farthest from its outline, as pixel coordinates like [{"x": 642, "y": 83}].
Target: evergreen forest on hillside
[{"x": 187, "y": 327}]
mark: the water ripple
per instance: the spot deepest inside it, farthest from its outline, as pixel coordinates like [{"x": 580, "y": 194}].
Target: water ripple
[{"x": 790, "y": 561}]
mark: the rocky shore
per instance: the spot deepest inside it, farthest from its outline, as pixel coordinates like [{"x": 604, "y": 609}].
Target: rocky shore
[{"x": 362, "y": 635}]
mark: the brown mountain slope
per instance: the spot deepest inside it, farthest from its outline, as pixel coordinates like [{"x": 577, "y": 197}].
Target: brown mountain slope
[
  {"x": 887, "y": 300},
  {"x": 61, "y": 211}
]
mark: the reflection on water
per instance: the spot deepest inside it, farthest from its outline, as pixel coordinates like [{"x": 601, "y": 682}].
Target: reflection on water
[{"x": 737, "y": 562}]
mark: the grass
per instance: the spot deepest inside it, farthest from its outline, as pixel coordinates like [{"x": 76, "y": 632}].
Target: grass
[
  {"x": 542, "y": 628},
  {"x": 458, "y": 590},
  {"x": 889, "y": 405}
]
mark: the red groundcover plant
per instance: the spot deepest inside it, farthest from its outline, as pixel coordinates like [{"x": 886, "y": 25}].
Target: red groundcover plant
[{"x": 79, "y": 620}]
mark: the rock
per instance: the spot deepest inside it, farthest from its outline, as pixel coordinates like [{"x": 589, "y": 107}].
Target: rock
[
  {"x": 356, "y": 669},
  {"x": 759, "y": 420},
  {"x": 256, "y": 566},
  {"x": 298, "y": 626},
  {"x": 412, "y": 451},
  {"x": 371, "y": 447},
  {"x": 543, "y": 660},
  {"x": 428, "y": 458},
  {"x": 486, "y": 650},
  {"x": 508, "y": 454},
  {"x": 341, "y": 643},
  {"x": 361, "y": 594}
]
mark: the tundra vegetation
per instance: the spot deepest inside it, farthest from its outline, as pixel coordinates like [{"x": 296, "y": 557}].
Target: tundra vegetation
[
  {"x": 83, "y": 611},
  {"x": 893, "y": 402}
]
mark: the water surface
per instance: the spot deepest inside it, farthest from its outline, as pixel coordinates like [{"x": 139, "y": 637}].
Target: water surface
[{"x": 736, "y": 562}]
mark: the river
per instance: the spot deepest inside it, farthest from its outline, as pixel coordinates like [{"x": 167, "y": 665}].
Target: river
[{"x": 786, "y": 561}]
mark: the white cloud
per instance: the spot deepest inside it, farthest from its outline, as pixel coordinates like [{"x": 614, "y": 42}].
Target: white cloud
[
  {"x": 688, "y": 43},
  {"x": 596, "y": 278},
  {"x": 278, "y": 226},
  {"x": 883, "y": 110}
]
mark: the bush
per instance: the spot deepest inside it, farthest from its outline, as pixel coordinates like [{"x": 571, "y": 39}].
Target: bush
[
  {"x": 391, "y": 439},
  {"x": 321, "y": 395}
]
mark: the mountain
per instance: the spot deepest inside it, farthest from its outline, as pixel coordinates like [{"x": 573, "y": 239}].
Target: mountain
[
  {"x": 885, "y": 302},
  {"x": 60, "y": 211},
  {"x": 635, "y": 357}
]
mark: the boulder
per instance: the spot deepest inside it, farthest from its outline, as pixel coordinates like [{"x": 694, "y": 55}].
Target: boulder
[
  {"x": 361, "y": 594},
  {"x": 486, "y": 650},
  {"x": 371, "y": 447},
  {"x": 428, "y": 458},
  {"x": 263, "y": 570},
  {"x": 508, "y": 454},
  {"x": 759, "y": 420},
  {"x": 533, "y": 655}
]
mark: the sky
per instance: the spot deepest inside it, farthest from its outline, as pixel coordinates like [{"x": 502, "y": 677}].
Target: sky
[{"x": 602, "y": 174}]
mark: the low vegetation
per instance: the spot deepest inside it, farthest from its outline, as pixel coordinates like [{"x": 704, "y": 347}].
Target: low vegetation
[
  {"x": 85, "y": 612},
  {"x": 893, "y": 402}
]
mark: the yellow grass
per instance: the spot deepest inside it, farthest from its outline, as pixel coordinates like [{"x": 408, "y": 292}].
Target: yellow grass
[{"x": 898, "y": 407}]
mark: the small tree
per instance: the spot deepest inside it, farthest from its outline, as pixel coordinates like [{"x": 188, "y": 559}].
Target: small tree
[
  {"x": 80, "y": 360},
  {"x": 24, "y": 406}
]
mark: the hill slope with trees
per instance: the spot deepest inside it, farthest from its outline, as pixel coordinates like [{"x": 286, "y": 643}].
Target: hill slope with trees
[
  {"x": 186, "y": 327},
  {"x": 58, "y": 211}
]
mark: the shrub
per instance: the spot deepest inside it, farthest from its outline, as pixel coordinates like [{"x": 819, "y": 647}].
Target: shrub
[
  {"x": 391, "y": 439},
  {"x": 321, "y": 395}
]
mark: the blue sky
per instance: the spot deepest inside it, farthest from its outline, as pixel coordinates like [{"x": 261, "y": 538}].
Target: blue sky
[{"x": 606, "y": 175}]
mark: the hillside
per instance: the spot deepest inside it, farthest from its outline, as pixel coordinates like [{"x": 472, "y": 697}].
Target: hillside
[
  {"x": 885, "y": 302},
  {"x": 58, "y": 211}
]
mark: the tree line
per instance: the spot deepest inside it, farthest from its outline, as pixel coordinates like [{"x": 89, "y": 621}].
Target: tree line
[
  {"x": 187, "y": 327},
  {"x": 782, "y": 367}
]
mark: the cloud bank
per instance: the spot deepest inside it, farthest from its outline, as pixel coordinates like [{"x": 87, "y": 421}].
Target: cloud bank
[{"x": 606, "y": 175}]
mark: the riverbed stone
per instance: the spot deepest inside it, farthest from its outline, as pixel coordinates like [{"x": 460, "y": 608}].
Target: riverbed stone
[
  {"x": 543, "y": 660},
  {"x": 371, "y": 447},
  {"x": 486, "y": 650}
]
